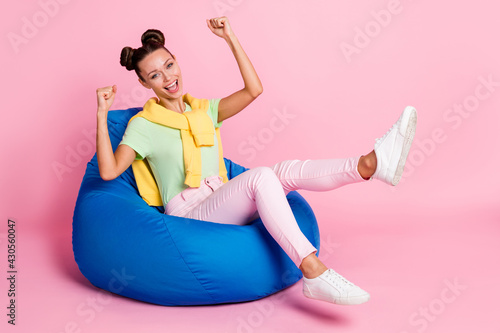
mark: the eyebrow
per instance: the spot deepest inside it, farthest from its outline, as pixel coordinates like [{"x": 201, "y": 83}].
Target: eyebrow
[{"x": 156, "y": 69}]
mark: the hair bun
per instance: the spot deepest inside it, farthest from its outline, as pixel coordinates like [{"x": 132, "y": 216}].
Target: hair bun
[
  {"x": 126, "y": 57},
  {"x": 153, "y": 35}
]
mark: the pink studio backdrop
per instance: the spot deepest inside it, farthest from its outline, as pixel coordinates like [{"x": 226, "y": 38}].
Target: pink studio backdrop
[{"x": 336, "y": 75}]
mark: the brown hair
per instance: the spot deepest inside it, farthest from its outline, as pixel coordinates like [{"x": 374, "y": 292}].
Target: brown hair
[{"x": 151, "y": 40}]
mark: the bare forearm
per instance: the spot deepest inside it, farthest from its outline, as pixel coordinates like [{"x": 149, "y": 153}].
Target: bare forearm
[
  {"x": 248, "y": 73},
  {"x": 237, "y": 101},
  {"x": 105, "y": 157}
]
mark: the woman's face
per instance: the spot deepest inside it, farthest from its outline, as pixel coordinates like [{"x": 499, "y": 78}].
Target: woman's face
[{"x": 162, "y": 74}]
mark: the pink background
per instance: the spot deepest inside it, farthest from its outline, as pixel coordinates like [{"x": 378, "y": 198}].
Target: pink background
[{"x": 405, "y": 245}]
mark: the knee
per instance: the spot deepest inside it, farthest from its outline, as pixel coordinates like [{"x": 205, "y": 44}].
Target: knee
[
  {"x": 263, "y": 176},
  {"x": 264, "y": 179},
  {"x": 264, "y": 172}
]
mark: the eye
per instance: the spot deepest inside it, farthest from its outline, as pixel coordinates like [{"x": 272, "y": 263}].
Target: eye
[
  {"x": 170, "y": 65},
  {"x": 154, "y": 76}
]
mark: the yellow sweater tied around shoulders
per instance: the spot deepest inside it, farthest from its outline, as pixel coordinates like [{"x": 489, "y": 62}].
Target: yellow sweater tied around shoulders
[{"x": 197, "y": 130}]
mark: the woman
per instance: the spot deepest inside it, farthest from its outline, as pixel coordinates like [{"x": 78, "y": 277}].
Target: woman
[{"x": 260, "y": 190}]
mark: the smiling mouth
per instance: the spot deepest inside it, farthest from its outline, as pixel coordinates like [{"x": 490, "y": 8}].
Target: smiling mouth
[{"x": 173, "y": 87}]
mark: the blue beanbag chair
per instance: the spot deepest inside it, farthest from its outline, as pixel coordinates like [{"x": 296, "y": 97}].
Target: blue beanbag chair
[{"x": 123, "y": 245}]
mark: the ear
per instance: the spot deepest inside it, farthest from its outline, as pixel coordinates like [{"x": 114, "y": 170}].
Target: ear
[
  {"x": 144, "y": 84},
  {"x": 174, "y": 57}
]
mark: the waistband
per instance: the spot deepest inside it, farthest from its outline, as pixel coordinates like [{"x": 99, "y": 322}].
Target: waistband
[{"x": 190, "y": 197}]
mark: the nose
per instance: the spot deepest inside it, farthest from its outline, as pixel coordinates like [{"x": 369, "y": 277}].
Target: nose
[
  {"x": 166, "y": 77},
  {"x": 166, "y": 74}
]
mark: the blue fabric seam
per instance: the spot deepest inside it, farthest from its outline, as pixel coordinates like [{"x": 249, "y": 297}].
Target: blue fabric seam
[{"x": 188, "y": 266}]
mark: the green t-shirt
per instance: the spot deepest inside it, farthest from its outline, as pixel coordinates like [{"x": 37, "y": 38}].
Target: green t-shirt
[{"x": 162, "y": 146}]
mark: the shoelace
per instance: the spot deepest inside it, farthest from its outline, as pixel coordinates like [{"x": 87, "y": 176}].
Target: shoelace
[
  {"x": 338, "y": 280},
  {"x": 386, "y": 133}
]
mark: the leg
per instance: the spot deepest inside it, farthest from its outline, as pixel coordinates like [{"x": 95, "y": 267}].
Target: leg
[
  {"x": 256, "y": 189},
  {"x": 386, "y": 162},
  {"x": 259, "y": 188},
  {"x": 322, "y": 175},
  {"x": 325, "y": 174}
]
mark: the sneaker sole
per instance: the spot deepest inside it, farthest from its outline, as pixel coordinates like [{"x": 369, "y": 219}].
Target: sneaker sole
[
  {"x": 408, "y": 139},
  {"x": 339, "y": 301}
]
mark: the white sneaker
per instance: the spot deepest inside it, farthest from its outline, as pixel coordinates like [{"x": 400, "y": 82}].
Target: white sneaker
[
  {"x": 334, "y": 288},
  {"x": 392, "y": 149}
]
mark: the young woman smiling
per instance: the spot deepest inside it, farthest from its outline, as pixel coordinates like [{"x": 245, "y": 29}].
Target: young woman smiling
[{"x": 261, "y": 190}]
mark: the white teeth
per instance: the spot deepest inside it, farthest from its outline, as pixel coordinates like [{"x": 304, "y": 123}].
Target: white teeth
[{"x": 173, "y": 84}]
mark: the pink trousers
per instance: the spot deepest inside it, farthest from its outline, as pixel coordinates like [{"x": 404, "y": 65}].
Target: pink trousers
[{"x": 264, "y": 190}]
